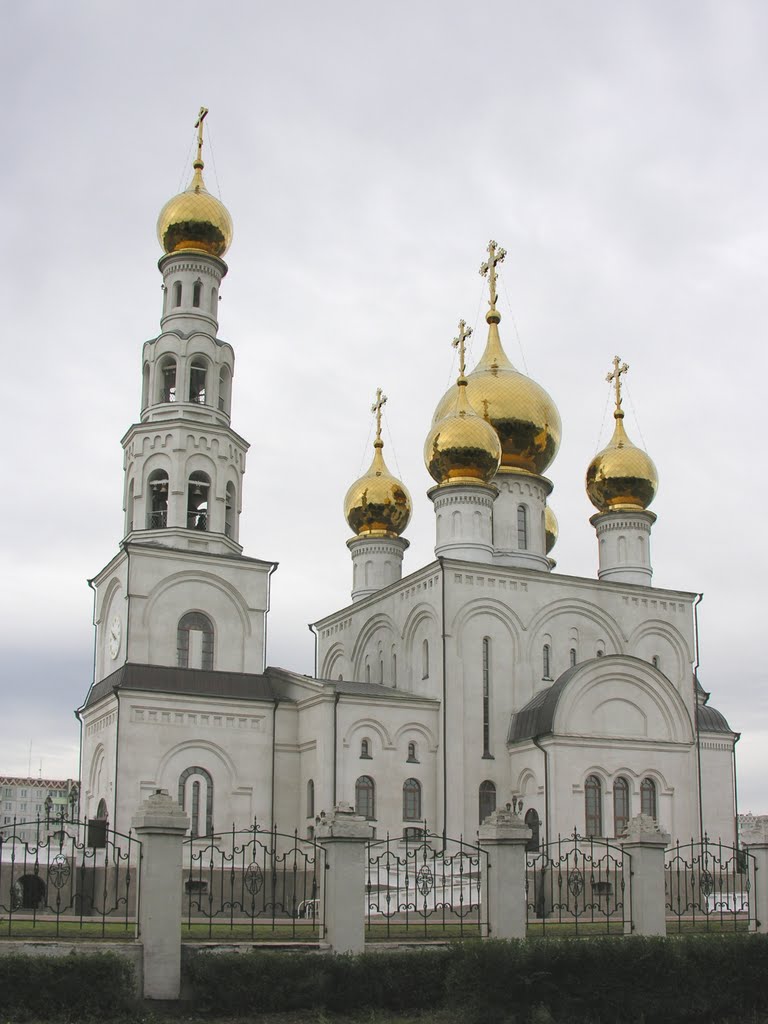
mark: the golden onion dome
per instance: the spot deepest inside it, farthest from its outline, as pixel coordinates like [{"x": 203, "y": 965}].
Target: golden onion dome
[
  {"x": 462, "y": 447},
  {"x": 378, "y": 504},
  {"x": 621, "y": 477},
  {"x": 550, "y": 528},
  {"x": 521, "y": 412}
]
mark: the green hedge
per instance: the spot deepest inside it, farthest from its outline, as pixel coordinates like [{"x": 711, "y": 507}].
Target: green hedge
[
  {"x": 74, "y": 987},
  {"x": 600, "y": 981}
]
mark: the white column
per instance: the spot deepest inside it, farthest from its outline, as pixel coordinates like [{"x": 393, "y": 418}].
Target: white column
[
  {"x": 755, "y": 839},
  {"x": 509, "y": 548},
  {"x": 645, "y": 843},
  {"x": 624, "y": 546},
  {"x": 376, "y": 562},
  {"x": 344, "y": 835},
  {"x": 161, "y": 825},
  {"x": 463, "y": 514},
  {"x": 503, "y": 836}
]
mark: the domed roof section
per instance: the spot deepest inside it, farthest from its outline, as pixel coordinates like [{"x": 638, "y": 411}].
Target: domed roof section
[
  {"x": 621, "y": 477},
  {"x": 378, "y": 504},
  {"x": 194, "y": 219},
  {"x": 551, "y": 528},
  {"x": 462, "y": 447}
]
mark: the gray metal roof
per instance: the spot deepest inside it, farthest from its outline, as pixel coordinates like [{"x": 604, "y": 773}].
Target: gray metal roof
[
  {"x": 190, "y": 681},
  {"x": 537, "y": 716},
  {"x": 711, "y": 720}
]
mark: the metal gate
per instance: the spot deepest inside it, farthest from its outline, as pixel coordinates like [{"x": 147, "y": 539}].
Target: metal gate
[{"x": 709, "y": 887}]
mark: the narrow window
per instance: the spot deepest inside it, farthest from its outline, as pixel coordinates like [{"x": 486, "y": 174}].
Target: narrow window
[
  {"x": 487, "y": 799},
  {"x": 197, "y": 502},
  {"x": 593, "y": 806},
  {"x": 381, "y": 670},
  {"x": 145, "y": 386},
  {"x": 365, "y": 749},
  {"x": 197, "y": 290},
  {"x": 367, "y": 672},
  {"x": 411, "y": 800},
  {"x": 198, "y": 372},
  {"x": 412, "y": 753},
  {"x": 394, "y": 669},
  {"x": 600, "y": 652},
  {"x": 177, "y": 293},
  {"x": 157, "y": 512},
  {"x": 214, "y": 301},
  {"x": 545, "y": 657},
  {"x": 620, "y": 806},
  {"x": 534, "y": 824},
  {"x": 129, "y": 509},
  {"x": 486, "y": 697},
  {"x": 365, "y": 797},
  {"x": 573, "y": 656},
  {"x": 522, "y": 527},
  {"x": 229, "y": 511},
  {"x": 195, "y": 641},
  {"x": 655, "y": 660},
  {"x": 196, "y": 795},
  {"x": 311, "y": 799},
  {"x": 167, "y": 378},
  {"x": 648, "y": 798},
  {"x": 225, "y": 379},
  {"x": 425, "y": 660}
]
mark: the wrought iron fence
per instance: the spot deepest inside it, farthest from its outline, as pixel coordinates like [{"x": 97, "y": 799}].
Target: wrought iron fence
[
  {"x": 253, "y": 882},
  {"x": 708, "y": 886},
  {"x": 424, "y": 882},
  {"x": 62, "y": 877},
  {"x": 579, "y": 884}
]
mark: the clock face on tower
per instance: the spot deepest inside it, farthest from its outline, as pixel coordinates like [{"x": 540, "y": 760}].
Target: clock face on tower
[{"x": 115, "y": 630}]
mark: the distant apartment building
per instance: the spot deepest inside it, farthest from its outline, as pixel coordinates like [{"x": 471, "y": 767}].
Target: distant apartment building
[{"x": 25, "y": 799}]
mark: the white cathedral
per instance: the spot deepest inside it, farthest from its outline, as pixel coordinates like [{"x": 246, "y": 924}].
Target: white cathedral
[{"x": 477, "y": 679}]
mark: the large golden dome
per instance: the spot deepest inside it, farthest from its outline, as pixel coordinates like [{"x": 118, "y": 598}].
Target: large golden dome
[
  {"x": 378, "y": 504},
  {"x": 461, "y": 447},
  {"x": 195, "y": 219},
  {"x": 520, "y": 410},
  {"x": 621, "y": 477}
]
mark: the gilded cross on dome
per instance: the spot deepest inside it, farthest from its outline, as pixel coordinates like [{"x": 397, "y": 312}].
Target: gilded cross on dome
[
  {"x": 199, "y": 125},
  {"x": 378, "y": 405},
  {"x": 619, "y": 368},
  {"x": 458, "y": 342},
  {"x": 495, "y": 255}
]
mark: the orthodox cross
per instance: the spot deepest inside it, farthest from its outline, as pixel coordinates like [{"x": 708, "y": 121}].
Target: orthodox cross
[
  {"x": 488, "y": 269},
  {"x": 458, "y": 342},
  {"x": 199, "y": 125},
  {"x": 378, "y": 405},
  {"x": 618, "y": 369}
]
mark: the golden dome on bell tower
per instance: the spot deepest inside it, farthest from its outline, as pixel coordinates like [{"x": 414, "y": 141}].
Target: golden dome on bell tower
[
  {"x": 622, "y": 477},
  {"x": 194, "y": 220},
  {"x": 378, "y": 504}
]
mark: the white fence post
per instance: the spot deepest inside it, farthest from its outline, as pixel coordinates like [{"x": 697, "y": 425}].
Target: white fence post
[
  {"x": 161, "y": 826},
  {"x": 344, "y": 835},
  {"x": 646, "y": 844},
  {"x": 755, "y": 838},
  {"x": 503, "y": 836}
]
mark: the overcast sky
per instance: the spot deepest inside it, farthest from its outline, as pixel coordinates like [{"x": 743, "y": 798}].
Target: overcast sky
[{"x": 367, "y": 152}]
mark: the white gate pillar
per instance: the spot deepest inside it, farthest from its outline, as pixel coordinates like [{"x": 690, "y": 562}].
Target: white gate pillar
[
  {"x": 645, "y": 843},
  {"x": 503, "y": 836},
  {"x": 161, "y": 826},
  {"x": 755, "y": 838},
  {"x": 344, "y": 836}
]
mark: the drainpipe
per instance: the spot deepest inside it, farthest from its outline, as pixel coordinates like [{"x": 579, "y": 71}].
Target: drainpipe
[
  {"x": 445, "y": 701},
  {"x": 276, "y": 701},
  {"x": 335, "y": 740},
  {"x": 696, "y": 603},
  {"x": 311, "y": 628},
  {"x": 546, "y": 788}
]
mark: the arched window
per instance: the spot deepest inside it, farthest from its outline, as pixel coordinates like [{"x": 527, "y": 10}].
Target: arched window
[
  {"x": 486, "y": 696},
  {"x": 573, "y": 656},
  {"x": 546, "y": 661},
  {"x": 655, "y": 661},
  {"x": 600, "y": 652},
  {"x": 621, "y": 809},
  {"x": 145, "y": 386},
  {"x": 487, "y": 799},
  {"x": 412, "y": 753},
  {"x": 177, "y": 293},
  {"x": 411, "y": 800},
  {"x": 197, "y": 291},
  {"x": 425, "y": 660},
  {"x": 129, "y": 509},
  {"x": 394, "y": 668},
  {"x": 367, "y": 672},
  {"x": 365, "y": 748},
  {"x": 214, "y": 301},
  {"x": 230, "y": 511},
  {"x": 102, "y": 813},
  {"x": 194, "y": 641},
  {"x": 648, "y": 798},
  {"x": 522, "y": 527},
  {"x": 196, "y": 797},
  {"x": 157, "y": 510},
  {"x": 225, "y": 381},
  {"x": 167, "y": 378},
  {"x": 593, "y": 806},
  {"x": 381, "y": 670},
  {"x": 533, "y": 822},
  {"x": 311, "y": 799},
  {"x": 198, "y": 373},
  {"x": 365, "y": 797},
  {"x": 197, "y": 501}
]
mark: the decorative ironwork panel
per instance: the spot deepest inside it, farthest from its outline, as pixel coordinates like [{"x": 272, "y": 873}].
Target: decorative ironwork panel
[
  {"x": 55, "y": 879},
  {"x": 580, "y": 884},
  {"x": 253, "y": 881},
  {"x": 424, "y": 882},
  {"x": 709, "y": 887}
]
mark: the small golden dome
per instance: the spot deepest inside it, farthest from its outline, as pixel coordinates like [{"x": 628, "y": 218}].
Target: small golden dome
[
  {"x": 461, "y": 447},
  {"x": 520, "y": 410},
  {"x": 621, "y": 477},
  {"x": 551, "y": 528},
  {"x": 195, "y": 220},
  {"x": 378, "y": 504}
]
